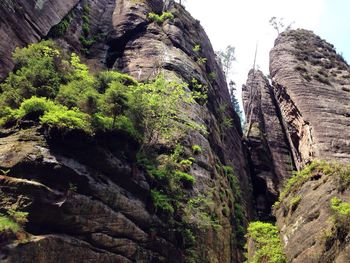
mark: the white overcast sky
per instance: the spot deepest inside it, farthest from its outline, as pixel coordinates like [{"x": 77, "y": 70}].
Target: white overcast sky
[{"x": 243, "y": 23}]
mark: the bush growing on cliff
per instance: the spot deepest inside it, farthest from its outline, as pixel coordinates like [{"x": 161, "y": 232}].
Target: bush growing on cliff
[
  {"x": 39, "y": 71},
  {"x": 46, "y": 77},
  {"x": 267, "y": 242},
  {"x": 160, "y": 18}
]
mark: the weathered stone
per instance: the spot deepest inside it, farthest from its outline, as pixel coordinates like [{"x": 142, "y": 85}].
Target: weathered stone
[
  {"x": 311, "y": 83},
  {"x": 271, "y": 163}
]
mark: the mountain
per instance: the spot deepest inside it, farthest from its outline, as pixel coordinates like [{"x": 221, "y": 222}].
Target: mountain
[{"x": 119, "y": 142}]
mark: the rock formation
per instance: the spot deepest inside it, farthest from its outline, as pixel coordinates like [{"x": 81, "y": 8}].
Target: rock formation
[
  {"x": 311, "y": 83},
  {"x": 271, "y": 162},
  {"x": 87, "y": 200},
  {"x": 306, "y": 111}
]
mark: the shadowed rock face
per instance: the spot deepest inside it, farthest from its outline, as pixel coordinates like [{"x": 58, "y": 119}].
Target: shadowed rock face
[
  {"x": 312, "y": 86},
  {"x": 271, "y": 162},
  {"x": 91, "y": 203}
]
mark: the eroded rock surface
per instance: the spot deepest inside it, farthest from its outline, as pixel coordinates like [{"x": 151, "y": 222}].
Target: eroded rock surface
[
  {"x": 92, "y": 202},
  {"x": 312, "y": 86},
  {"x": 271, "y": 162}
]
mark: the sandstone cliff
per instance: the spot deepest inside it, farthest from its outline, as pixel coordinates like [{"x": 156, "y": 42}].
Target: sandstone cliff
[
  {"x": 87, "y": 200},
  {"x": 271, "y": 162},
  {"x": 311, "y": 83},
  {"x": 302, "y": 116}
]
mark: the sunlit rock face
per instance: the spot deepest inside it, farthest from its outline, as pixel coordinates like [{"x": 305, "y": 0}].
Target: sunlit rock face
[
  {"x": 312, "y": 86},
  {"x": 87, "y": 199}
]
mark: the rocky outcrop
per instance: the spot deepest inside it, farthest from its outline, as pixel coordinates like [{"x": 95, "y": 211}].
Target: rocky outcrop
[
  {"x": 271, "y": 163},
  {"x": 87, "y": 199},
  {"x": 311, "y": 83},
  {"x": 311, "y": 228}
]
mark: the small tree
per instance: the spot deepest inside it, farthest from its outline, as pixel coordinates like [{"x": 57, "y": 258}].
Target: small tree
[
  {"x": 227, "y": 57},
  {"x": 278, "y": 24},
  {"x": 234, "y": 101}
]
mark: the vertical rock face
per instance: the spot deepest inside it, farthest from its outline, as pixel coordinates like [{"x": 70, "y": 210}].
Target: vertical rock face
[
  {"x": 311, "y": 83},
  {"x": 303, "y": 116},
  {"x": 87, "y": 200},
  {"x": 271, "y": 162}
]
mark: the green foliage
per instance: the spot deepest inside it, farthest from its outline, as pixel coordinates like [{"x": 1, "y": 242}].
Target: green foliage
[
  {"x": 294, "y": 202},
  {"x": 159, "y": 106},
  {"x": 105, "y": 78},
  {"x": 35, "y": 107},
  {"x": 339, "y": 207},
  {"x": 185, "y": 177},
  {"x": 341, "y": 172},
  {"x": 6, "y": 223},
  {"x": 196, "y": 149},
  {"x": 162, "y": 202},
  {"x": 199, "y": 91},
  {"x": 61, "y": 28},
  {"x": 197, "y": 209},
  {"x": 85, "y": 39},
  {"x": 201, "y": 60},
  {"x": 39, "y": 71},
  {"x": 227, "y": 57},
  {"x": 18, "y": 216},
  {"x": 212, "y": 75},
  {"x": 197, "y": 48},
  {"x": 160, "y": 18},
  {"x": 267, "y": 242},
  {"x": 61, "y": 117}
]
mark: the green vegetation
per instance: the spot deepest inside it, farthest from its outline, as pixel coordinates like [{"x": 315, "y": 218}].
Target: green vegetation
[
  {"x": 61, "y": 28},
  {"x": 339, "y": 207},
  {"x": 199, "y": 91},
  {"x": 267, "y": 242},
  {"x": 339, "y": 171},
  {"x": 56, "y": 89},
  {"x": 341, "y": 223},
  {"x": 201, "y": 60},
  {"x": 86, "y": 39},
  {"x": 162, "y": 201},
  {"x": 294, "y": 202},
  {"x": 196, "y": 149},
  {"x": 238, "y": 201},
  {"x": 6, "y": 223},
  {"x": 160, "y": 18},
  {"x": 197, "y": 48}
]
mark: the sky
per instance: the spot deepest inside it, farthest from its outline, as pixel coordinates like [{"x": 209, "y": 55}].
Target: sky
[{"x": 245, "y": 24}]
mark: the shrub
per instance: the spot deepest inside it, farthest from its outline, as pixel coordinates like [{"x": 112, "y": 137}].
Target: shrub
[
  {"x": 196, "y": 48},
  {"x": 105, "y": 78},
  {"x": 6, "y": 223},
  {"x": 160, "y": 18},
  {"x": 61, "y": 28},
  {"x": 35, "y": 107},
  {"x": 162, "y": 202},
  {"x": 39, "y": 70},
  {"x": 267, "y": 242},
  {"x": 201, "y": 60},
  {"x": 61, "y": 117},
  {"x": 185, "y": 178},
  {"x": 196, "y": 149},
  {"x": 339, "y": 207}
]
